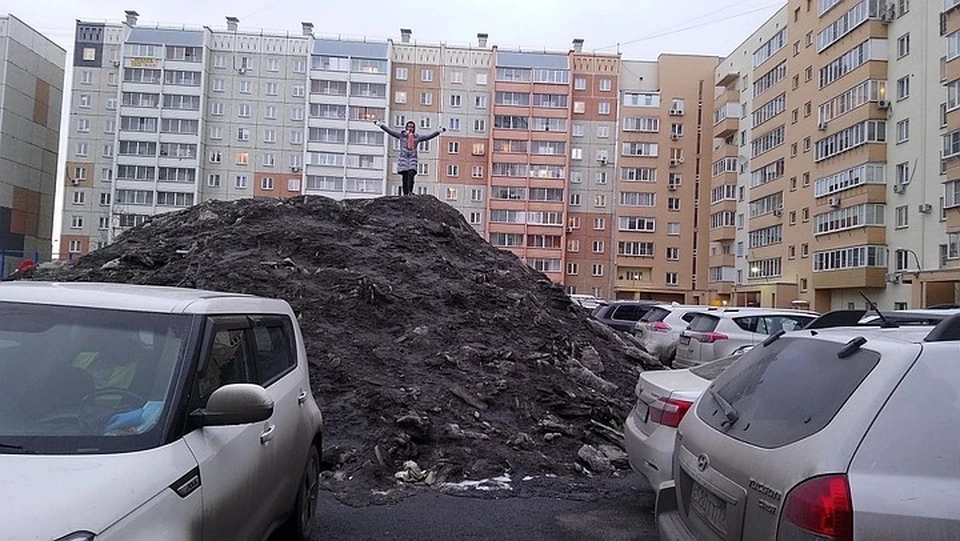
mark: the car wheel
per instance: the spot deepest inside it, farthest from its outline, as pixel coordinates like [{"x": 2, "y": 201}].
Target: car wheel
[{"x": 304, "y": 515}]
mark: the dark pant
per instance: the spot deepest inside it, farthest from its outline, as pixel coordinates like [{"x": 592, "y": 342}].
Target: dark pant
[{"x": 408, "y": 177}]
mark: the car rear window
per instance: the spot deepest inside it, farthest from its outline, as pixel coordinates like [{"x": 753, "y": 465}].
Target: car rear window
[
  {"x": 655, "y": 314},
  {"x": 786, "y": 391},
  {"x": 710, "y": 371},
  {"x": 703, "y": 323}
]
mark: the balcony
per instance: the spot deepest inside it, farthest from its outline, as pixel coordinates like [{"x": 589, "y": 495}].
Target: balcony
[
  {"x": 869, "y": 277},
  {"x": 726, "y": 121},
  {"x": 728, "y": 78},
  {"x": 723, "y": 260},
  {"x": 723, "y": 233},
  {"x": 950, "y": 69}
]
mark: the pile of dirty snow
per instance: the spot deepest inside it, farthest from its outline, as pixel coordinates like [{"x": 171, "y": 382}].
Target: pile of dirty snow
[{"x": 436, "y": 358}]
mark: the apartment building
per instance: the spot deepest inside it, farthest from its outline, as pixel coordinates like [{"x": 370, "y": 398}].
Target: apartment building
[
  {"x": 591, "y": 245},
  {"x": 940, "y": 283},
  {"x": 528, "y": 159},
  {"x": 826, "y": 184},
  {"x": 31, "y": 95},
  {"x": 348, "y": 92},
  {"x": 664, "y": 156}
]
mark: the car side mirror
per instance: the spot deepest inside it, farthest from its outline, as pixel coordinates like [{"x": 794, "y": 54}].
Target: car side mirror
[{"x": 234, "y": 404}]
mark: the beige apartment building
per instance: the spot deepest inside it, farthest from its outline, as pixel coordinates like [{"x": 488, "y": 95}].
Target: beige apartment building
[
  {"x": 31, "y": 94},
  {"x": 827, "y": 184}
]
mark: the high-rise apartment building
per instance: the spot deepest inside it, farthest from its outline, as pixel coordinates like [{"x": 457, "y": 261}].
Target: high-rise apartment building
[
  {"x": 827, "y": 179},
  {"x": 31, "y": 94}
]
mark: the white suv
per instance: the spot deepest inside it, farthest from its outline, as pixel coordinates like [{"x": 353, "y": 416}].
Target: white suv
[
  {"x": 150, "y": 413},
  {"x": 659, "y": 329},
  {"x": 717, "y": 334}
]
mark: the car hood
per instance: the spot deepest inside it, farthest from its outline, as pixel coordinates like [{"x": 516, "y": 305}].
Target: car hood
[{"x": 47, "y": 496}]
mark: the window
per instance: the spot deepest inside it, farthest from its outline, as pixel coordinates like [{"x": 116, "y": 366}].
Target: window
[
  {"x": 479, "y": 125},
  {"x": 673, "y": 229},
  {"x": 454, "y": 124},
  {"x": 453, "y": 170},
  {"x": 672, "y": 278},
  {"x": 453, "y": 147},
  {"x": 597, "y": 269},
  {"x": 243, "y": 110},
  {"x": 243, "y": 158},
  {"x": 79, "y": 198},
  {"x": 245, "y": 87},
  {"x": 105, "y": 199},
  {"x": 240, "y": 182},
  {"x": 400, "y": 97},
  {"x": 673, "y": 253},
  {"x": 673, "y": 203},
  {"x": 86, "y": 77},
  {"x": 606, "y": 85},
  {"x": 243, "y": 134},
  {"x": 903, "y": 45},
  {"x": 903, "y": 130},
  {"x": 298, "y": 91},
  {"x": 81, "y": 150},
  {"x": 456, "y": 100},
  {"x": 269, "y": 160},
  {"x": 576, "y": 200},
  {"x": 902, "y": 217},
  {"x": 76, "y": 222},
  {"x": 603, "y": 108},
  {"x": 456, "y": 77},
  {"x": 579, "y": 83},
  {"x": 426, "y": 75},
  {"x": 273, "y": 64},
  {"x": 599, "y": 224},
  {"x": 579, "y": 107},
  {"x": 213, "y": 180},
  {"x": 903, "y": 88},
  {"x": 400, "y": 74},
  {"x": 83, "y": 125},
  {"x": 481, "y": 79},
  {"x": 603, "y": 132},
  {"x": 299, "y": 66},
  {"x": 426, "y": 98},
  {"x": 598, "y": 246}
]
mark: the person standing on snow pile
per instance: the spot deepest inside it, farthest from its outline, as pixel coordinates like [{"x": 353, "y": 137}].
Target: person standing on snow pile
[{"x": 407, "y": 161}]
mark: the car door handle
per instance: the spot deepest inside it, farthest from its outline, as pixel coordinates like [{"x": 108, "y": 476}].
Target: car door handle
[
  {"x": 267, "y": 434},
  {"x": 302, "y": 397}
]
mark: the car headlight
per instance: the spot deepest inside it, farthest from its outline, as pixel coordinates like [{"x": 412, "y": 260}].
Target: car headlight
[{"x": 77, "y": 536}]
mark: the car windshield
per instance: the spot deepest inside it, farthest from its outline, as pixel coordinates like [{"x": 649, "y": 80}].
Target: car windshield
[{"x": 85, "y": 380}]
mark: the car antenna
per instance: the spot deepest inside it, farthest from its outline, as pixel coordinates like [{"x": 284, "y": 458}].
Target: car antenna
[{"x": 884, "y": 322}]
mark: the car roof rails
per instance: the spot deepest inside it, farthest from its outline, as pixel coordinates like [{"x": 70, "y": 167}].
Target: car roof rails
[
  {"x": 947, "y": 330},
  {"x": 854, "y": 318}
]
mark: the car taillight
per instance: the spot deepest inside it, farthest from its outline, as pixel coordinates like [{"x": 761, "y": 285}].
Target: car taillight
[
  {"x": 710, "y": 337},
  {"x": 818, "y": 509},
  {"x": 669, "y": 411},
  {"x": 661, "y": 327}
]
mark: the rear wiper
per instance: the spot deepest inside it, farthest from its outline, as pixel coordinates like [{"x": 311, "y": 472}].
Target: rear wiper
[
  {"x": 884, "y": 322},
  {"x": 728, "y": 410},
  {"x": 11, "y": 447}
]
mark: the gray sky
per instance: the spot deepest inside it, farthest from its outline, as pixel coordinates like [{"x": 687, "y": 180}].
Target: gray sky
[{"x": 645, "y": 28}]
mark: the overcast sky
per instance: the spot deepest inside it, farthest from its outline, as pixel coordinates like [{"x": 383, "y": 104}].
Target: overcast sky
[{"x": 644, "y": 28}]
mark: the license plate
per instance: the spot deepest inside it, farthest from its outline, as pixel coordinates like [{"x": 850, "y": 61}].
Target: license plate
[
  {"x": 684, "y": 340},
  {"x": 711, "y": 508}
]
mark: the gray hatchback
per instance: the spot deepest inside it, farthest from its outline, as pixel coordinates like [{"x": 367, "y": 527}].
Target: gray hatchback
[{"x": 824, "y": 434}]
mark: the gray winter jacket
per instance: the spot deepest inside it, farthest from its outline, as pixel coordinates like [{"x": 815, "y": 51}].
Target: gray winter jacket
[{"x": 407, "y": 159}]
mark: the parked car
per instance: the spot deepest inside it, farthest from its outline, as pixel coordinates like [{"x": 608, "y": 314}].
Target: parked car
[
  {"x": 590, "y": 302},
  {"x": 663, "y": 398},
  {"x": 623, "y": 315},
  {"x": 659, "y": 329},
  {"x": 717, "y": 334},
  {"x": 841, "y": 433},
  {"x": 152, "y": 413}
]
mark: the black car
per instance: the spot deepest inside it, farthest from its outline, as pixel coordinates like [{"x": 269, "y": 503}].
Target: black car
[{"x": 623, "y": 315}]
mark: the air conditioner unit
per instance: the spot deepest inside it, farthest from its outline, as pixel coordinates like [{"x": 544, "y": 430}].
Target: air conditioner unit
[
  {"x": 294, "y": 168},
  {"x": 603, "y": 161},
  {"x": 242, "y": 70},
  {"x": 570, "y": 230},
  {"x": 116, "y": 63},
  {"x": 899, "y": 188},
  {"x": 834, "y": 202},
  {"x": 925, "y": 208},
  {"x": 674, "y": 162},
  {"x": 778, "y": 211},
  {"x": 889, "y": 14},
  {"x": 75, "y": 181},
  {"x": 883, "y": 104},
  {"x": 675, "y": 136},
  {"x": 673, "y": 187},
  {"x": 893, "y": 278},
  {"x": 822, "y": 126},
  {"x": 676, "y": 112},
  {"x": 680, "y": 160}
]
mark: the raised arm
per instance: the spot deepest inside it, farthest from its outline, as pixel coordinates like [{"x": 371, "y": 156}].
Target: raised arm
[
  {"x": 431, "y": 136},
  {"x": 390, "y": 132}
]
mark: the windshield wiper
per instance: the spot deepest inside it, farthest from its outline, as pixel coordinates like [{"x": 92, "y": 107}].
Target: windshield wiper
[
  {"x": 728, "y": 410},
  {"x": 11, "y": 447},
  {"x": 884, "y": 322}
]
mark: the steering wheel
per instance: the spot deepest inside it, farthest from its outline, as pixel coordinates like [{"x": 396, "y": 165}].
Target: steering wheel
[{"x": 127, "y": 398}]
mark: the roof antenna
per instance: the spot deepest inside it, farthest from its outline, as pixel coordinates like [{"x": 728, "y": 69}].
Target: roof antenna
[{"x": 884, "y": 322}]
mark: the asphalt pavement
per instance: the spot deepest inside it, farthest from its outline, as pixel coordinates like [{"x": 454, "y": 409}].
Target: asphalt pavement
[{"x": 621, "y": 511}]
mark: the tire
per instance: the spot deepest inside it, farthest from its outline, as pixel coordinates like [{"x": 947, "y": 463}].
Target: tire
[{"x": 304, "y": 515}]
